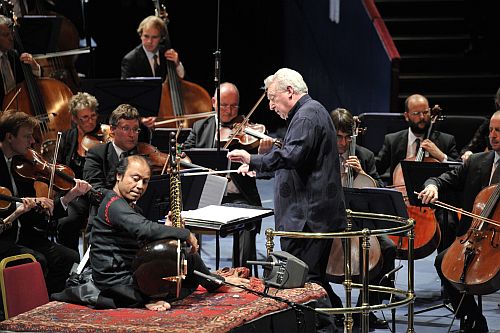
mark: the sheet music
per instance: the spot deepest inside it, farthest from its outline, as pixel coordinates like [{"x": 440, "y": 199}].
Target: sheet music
[
  {"x": 222, "y": 214},
  {"x": 213, "y": 191}
]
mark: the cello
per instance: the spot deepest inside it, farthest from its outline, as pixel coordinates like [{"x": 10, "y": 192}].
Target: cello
[
  {"x": 472, "y": 262},
  {"x": 180, "y": 97},
  {"x": 44, "y": 98},
  {"x": 427, "y": 231},
  {"x": 335, "y": 266}
]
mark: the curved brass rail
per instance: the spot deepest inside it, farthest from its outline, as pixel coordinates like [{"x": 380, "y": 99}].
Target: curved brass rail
[{"x": 405, "y": 225}]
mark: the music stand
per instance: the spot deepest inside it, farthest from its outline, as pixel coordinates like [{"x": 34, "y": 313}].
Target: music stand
[
  {"x": 143, "y": 94},
  {"x": 380, "y": 201},
  {"x": 415, "y": 174},
  {"x": 156, "y": 200},
  {"x": 160, "y": 137},
  {"x": 39, "y": 33},
  {"x": 209, "y": 157}
]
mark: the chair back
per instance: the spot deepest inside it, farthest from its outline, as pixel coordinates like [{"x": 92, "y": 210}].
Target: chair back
[{"x": 23, "y": 285}]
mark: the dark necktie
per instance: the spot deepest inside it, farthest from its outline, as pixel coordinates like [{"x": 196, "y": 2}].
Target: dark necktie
[
  {"x": 123, "y": 155},
  {"x": 156, "y": 66},
  {"x": 417, "y": 140},
  {"x": 495, "y": 178}
]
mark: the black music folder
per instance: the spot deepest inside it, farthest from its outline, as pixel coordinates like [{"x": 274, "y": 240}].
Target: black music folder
[
  {"x": 416, "y": 173},
  {"x": 209, "y": 158}
]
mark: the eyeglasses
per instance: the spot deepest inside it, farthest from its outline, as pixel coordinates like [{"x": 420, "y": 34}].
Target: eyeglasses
[
  {"x": 87, "y": 118},
  {"x": 421, "y": 113},
  {"x": 229, "y": 106},
  {"x": 127, "y": 129},
  {"x": 347, "y": 138}
]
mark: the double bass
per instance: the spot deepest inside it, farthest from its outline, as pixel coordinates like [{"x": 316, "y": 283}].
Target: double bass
[
  {"x": 335, "y": 266},
  {"x": 179, "y": 97},
  {"x": 427, "y": 231},
  {"x": 44, "y": 98}
]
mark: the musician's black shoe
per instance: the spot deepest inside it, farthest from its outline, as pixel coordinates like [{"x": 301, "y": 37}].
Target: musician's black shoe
[
  {"x": 476, "y": 325},
  {"x": 377, "y": 323}
]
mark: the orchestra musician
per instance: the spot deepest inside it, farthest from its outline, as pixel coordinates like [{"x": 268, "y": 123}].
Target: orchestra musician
[
  {"x": 10, "y": 61},
  {"x": 404, "y": 144},
  {"x": 83, "y": 109},
  {"x": 476, "y": 173},
  {"x": 16, "y": 137},
  {"x": 120, "y": 228},
  {"x": 240, "y": 189},
  {"x": 480, "y": 141},
  {"x": 101, "y": 160},
  {"x": 364, "y": 163},
  {"x": 149, "y": 59},
  {"x": 306, "y": 197}
]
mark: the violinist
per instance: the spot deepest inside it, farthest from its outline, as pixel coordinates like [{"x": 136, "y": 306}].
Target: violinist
[
  {"x": 150, "y": 58},
  {"x": 405, "y": 144},
  {"x": 364, "y": 163},
  {"x": 10, "y": 61},
  {"x": 16, "y": 137},
  {"x": 83, "y": 109},
  {"x": 479, "y": 171},
  {"x": 240, "y": 189},
  {"x": 102, "y": 159}
]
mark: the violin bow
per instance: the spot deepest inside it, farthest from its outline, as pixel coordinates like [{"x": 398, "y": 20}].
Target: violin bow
[
  {"x": 239, "y": 128},
  {"x": 464, "y": 212},
  {"x": 54, "y": 163}
]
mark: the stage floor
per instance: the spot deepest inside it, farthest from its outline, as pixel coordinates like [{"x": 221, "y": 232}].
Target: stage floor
[{"x": 427, "y": 284}]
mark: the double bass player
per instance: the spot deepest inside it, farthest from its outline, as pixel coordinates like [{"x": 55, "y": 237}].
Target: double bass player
[{"x": 479, "y": 171}]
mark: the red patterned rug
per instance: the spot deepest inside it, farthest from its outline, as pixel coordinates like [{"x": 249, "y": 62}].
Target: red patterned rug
[{"x": 199, "y": 312}]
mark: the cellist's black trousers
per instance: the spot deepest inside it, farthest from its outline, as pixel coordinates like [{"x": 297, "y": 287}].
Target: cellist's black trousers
[{"x": 469, "y": 306}]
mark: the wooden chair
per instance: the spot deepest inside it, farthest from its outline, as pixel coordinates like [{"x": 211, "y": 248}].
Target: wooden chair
[{"x": 23, "y": 285}]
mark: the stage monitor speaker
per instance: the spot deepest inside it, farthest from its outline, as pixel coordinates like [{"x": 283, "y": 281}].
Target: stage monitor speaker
[{"x": 285, "y": 271}]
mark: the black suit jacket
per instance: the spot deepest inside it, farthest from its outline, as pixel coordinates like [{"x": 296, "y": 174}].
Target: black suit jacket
[
  {"x": 136, "y": 64},
  {"x": 100, "y": 166},
  {"x": 17, "y": 70},
  {"x": 393, "y": 150},
  {"x": 468, "y": 179},
  {"x": 202, "y": 136}
]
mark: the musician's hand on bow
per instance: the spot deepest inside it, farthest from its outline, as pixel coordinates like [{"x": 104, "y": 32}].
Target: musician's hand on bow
[
  {"x": 244, "y": 170},
  {"x": 433, "y": 150},
  {"x": 429, "y": 194},
  {"x": 149, "y": 122},
  {"x": 81, "y": 187},
  {"x": 239, "y": 155},
  {"x": 265, "y": 145}
]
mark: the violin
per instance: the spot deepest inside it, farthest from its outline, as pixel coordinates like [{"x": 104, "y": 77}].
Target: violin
[
  {"x": 33, "y": 166},
  {"x": 102, "y": 135},
  {"x": 6, "y": 198},
  {"x": 236, "y": 134},
  {"x": 427, "y": 231}
]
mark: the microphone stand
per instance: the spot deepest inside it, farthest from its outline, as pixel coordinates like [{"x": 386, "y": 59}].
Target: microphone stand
[
  {"x": 297, "y": 307},
  {"x": 88, "y": 37},
  {"x": 217, "y": 55}
]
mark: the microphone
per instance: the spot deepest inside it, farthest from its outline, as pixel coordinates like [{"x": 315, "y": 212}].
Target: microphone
[
  {"x": 265, "y": 263},
  {"x": 208, "y": 277}
]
